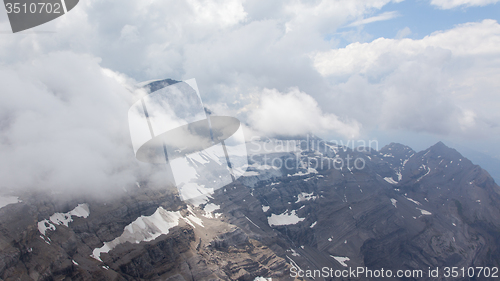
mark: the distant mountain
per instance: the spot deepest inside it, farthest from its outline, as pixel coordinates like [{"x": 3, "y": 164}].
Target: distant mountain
[
  {"x": 487, "y": 162},
  {"x": 310, "y": 206}
]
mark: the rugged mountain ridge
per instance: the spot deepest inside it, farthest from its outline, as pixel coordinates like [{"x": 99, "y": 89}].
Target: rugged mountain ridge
[{"x": 402, "y": 210}]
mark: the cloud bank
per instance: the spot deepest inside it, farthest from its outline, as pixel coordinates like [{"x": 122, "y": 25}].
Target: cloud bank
[
  {"x": 294, "y": 114},
  {"x": 64, "y": 127},
  {"x": 438, "y": 84},
  {"x": 276, "y": 65}
]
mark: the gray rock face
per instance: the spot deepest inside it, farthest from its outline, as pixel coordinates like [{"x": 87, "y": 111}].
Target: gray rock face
[
  {"x": 402, "y": 210},
  {"x": 237, "y": 239}
]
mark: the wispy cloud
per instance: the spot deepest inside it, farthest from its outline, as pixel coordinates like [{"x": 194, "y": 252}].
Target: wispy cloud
[
  {"x": 450, "y": 4},
  {"x": 381, "y": 17}
]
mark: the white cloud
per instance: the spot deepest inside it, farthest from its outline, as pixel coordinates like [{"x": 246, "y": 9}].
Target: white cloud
[
  {"x": 449, "y": 4},
  {"x": 443, "y": 83},
  {"x": 63, "y": 127},
  {"x": 64, "y": 100},
  {"x": 482, "y": 39},
  {"x": 402, "y": 33},
  {"x": 153, "y": 39},
  {"x": 438, "y": 84},
  {"x": 143, "y": 39},
  {"x": 296, "y": 113},
  {"x": 383, "y": 16},
  {"x": 224, "y": 12},
  {"x": 324, "y": 17}
]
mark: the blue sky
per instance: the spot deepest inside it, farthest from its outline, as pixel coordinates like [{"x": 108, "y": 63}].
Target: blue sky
[{"x": 422, "y": 19}]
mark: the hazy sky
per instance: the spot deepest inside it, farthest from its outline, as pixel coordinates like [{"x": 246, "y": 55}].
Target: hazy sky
[{"x": 414, "y": 72}]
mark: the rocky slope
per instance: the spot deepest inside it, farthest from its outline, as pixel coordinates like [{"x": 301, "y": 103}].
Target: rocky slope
[{"x": 310, "y": 206}]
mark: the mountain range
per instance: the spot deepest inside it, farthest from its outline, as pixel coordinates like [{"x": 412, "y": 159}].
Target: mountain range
[{"x": 312, "y": 206}]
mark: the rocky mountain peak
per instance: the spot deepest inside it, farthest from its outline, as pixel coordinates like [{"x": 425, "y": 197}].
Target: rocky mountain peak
[
  {"x": 402, "y": 210},
  {"x": 394, "y": 146},
  {"x": 440, "y": 149}
]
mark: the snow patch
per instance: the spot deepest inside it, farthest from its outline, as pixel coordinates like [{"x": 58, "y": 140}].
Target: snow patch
[
  {"x": 414, "y": 201},
  {"x": 82, "y": 211},
  {"x": 305, "y": 197},
  {"x": 341, "y": 260},
  {"x": 258, "y": 278},
  {"x": 7, "y": 200},
  {"x": 252, "y": 222},
  {"x": 284, "y": 219},
  {"x": 209, "y": 209},
  {"x": 399, "y": 176},
  {"x": 144, "y": 228},
  {"x": 294, "y": 253},
  {"x": 196, "y": 220},
  {"x": 309, "y": 171},
  {"x": 294, "y": 264},
  {"x": 424, "y": 212},
  {"x": 428, "y": 171},
  {"x": 250, "y": 173},
  {"x": 390, "y": 180},
  {"x": 394, "y": 201},
  {"x": 314, "y": 223}
]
